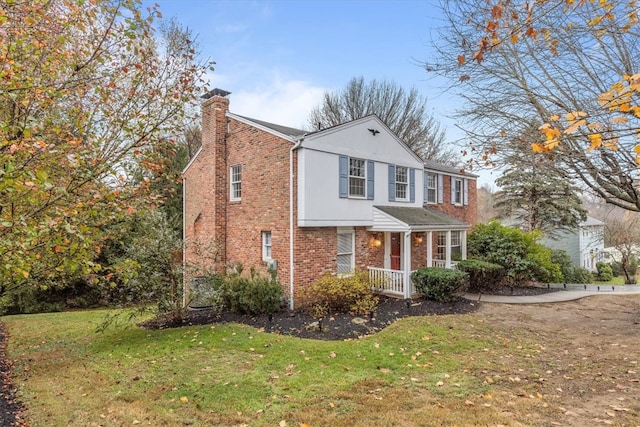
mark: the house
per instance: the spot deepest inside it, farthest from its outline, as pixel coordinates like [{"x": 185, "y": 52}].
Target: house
[
  {"x": 584, "y": 244},
  {"x": 348, "y": 197}
]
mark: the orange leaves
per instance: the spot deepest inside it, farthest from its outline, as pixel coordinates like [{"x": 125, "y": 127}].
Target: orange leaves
[{"x": 461, "y": 60}]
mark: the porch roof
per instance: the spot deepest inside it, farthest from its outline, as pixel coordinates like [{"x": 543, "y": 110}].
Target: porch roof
[{"x": 399, "y": 218}]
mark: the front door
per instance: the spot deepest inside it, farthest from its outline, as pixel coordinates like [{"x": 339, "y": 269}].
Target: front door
[{"x": 395, "y": 251}]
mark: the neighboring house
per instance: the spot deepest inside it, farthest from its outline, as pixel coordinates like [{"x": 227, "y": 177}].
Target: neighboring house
[
  {"x": 584, "y": 244},
  {"x": 613, "y": 253},
  {"x": 348, "y": 197}
]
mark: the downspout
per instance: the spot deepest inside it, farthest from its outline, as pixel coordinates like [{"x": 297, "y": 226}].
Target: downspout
[
  {"x": 184, "y": 242},
  {"x": 291, "y": 285}
]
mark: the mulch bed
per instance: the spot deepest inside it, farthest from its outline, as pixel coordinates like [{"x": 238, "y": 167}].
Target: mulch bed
[{"x": 339, "y": 326}]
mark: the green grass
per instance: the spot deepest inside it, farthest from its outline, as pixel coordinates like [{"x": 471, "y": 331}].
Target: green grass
[{"x": 234, "y": 374}]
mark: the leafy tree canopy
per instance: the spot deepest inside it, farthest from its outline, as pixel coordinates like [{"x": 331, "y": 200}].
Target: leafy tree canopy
[
  {"x": 87, "y": 93},
  {"x": 573, "y": 65}
]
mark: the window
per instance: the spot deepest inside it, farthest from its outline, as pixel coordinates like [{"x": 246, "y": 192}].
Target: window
[
  {"x": 236, "y": 182},
  {"x": 456, "y": 246},
  {"x": 357, "y": 179},
  {"x": 345, "y": 252},
  {"x": 266, "y": 245},
  {"x": 402, "y": 182},
  {"x": 432, "y": 189},
  {"x": 442, "y": 245},
  {"x": 456, "y": 191}
]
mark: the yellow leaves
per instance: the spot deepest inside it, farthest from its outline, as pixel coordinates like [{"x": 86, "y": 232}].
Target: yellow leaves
[{"x": 596, "y": 141}]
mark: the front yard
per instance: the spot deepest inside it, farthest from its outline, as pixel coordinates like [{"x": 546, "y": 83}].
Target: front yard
[{"x": 573, "y": 363}]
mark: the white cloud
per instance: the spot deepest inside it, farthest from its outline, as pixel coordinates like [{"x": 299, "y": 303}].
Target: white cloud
[{"x": 284, "y": 102}]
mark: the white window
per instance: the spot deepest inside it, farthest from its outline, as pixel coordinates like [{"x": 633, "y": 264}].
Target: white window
[
  {"x": 456, "y": 191},
  {"x": 456, "y": 246},
  {"x": 357, "y": 178},
  {"x": 266, "y": 245},
  {"x": 345, "y": 252},
  {"x": 236, "y": 182},
  {"x": 402, "y": 183},
  {"x": 442, "y": 245},
  {"x": 432, "y": 187}
]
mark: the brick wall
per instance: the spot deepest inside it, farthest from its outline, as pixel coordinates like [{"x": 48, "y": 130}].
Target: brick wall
[{"x": 466, "y": 213}]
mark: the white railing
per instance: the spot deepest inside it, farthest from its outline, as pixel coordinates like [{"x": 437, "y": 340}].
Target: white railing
[
  {"x": 443, "y": 263},
  {"x": 388, "y": 281}
]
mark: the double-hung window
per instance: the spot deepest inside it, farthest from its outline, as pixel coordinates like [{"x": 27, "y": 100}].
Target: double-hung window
[
  {"x": 266, "y": 245},
  {"x": 357, "y": 177},
  {"x": 432, "y": 187},
  {"x": 344, "y": 257},
  {"x": 402, "y": 183},
  {"x": 456, "y": 246},
  {"x": 456, "y": 191},
  {"x": 236, "y": 182}
]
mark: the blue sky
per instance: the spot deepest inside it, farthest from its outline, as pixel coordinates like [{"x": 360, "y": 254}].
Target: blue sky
[{"x": 277, "y": 58}]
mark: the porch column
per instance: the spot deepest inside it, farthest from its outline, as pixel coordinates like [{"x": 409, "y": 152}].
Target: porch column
[
  {"x": 463, "y": 243},
  {"x": 429, "y": 248},
  {"x": 407, "y": 264},
  {"x": 448, "y": 250}
]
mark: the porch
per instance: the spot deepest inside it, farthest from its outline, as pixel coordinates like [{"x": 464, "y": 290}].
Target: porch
[
  {"x": 392, "y": 282},
  {"x": 411, "y": 238}
]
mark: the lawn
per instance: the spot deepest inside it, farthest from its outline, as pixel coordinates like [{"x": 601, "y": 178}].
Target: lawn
[{"x": 435, "y": 370}]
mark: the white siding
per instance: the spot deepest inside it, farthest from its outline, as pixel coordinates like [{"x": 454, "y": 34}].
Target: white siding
[{"x": 319, "y": 203}]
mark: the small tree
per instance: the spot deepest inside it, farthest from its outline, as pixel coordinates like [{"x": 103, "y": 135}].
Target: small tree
[{"x": 623, "y": 233}]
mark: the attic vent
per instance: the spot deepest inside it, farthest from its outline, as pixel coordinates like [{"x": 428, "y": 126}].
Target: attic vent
[{"x": 215, "y": 92}]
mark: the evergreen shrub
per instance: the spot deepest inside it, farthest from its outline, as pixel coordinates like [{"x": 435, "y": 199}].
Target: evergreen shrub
[{"x": 440, "y": 284}]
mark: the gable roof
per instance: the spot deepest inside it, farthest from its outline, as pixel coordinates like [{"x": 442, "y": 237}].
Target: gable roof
[
  {"x": 346, "y": 125},
  {"x": 283, "y": 130}
]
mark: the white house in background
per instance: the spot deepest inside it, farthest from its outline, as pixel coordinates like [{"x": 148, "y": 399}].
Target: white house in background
[
  {"x": 613, "y": 254},
  {"x": 585, "y": 244}
]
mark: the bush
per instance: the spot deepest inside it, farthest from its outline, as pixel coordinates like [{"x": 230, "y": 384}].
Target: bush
[
  {"x": 440, "y": 284},
  {"x": 518, "y": 252},
  {"x": 580, "y": 275},
  {"x": 250, "y": 295},
  {"x": 482, "y": 274},
  {"x": 616, "y": 268},
  {"x": 350, "y": 294},
  {"x": 605, "y": 272}
]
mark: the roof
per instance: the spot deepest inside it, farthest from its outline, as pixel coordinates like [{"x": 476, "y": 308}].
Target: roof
[
  {"x": 432, "y": 165},
  {"x": 422, "y": 217},
  {"x": 285, "y": 130},
  {"x": 591, "y": 221}
]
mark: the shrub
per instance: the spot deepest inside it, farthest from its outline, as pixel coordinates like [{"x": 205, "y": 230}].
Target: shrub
[
  {"x": 482, "y": 274},
  {"x": 616, "y": 268},
  {"x": 351, "y": 294},
  {"x": 518, "y": 252},
  {"x": 440, "y": 284},
  {"x": 580, "y": 275},
  {"x": 250, "y": 295},
  {"x": 605, "y": 272}
]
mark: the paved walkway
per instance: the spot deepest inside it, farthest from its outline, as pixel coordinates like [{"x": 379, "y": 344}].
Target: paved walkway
[{"x": 566, "y": 293}]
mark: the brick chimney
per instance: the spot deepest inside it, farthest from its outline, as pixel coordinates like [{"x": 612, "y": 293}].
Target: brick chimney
[{"x": 214, "y": 149}]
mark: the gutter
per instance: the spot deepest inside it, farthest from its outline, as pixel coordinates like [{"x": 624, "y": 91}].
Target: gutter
[
  {"x": 184, "y": 241},
  {"x": 295, "y": 146}
]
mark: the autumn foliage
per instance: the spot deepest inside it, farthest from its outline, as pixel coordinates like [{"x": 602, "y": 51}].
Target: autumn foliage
[{"x": 87, "y": 94}]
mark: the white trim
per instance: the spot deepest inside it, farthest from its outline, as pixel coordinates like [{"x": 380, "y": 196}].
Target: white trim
[
  {"x": 232, "y": 196},
  {"x": 406, "y": 183},
  {"x": 193, "y": 159},
  {"x": 267, "y": 243}
]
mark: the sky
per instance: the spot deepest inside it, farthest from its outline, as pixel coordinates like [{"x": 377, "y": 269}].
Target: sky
[{"x": 278, "y": 57}]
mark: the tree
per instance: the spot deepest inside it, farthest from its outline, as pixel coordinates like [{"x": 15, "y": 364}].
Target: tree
[
  {"x": 535, "y": 191},
  {"x": 405, "y": 113},
  {"x": 86, "y": 93},
  {"x": 623, "y": 233},
  {"x": 571, "y": 65}
]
